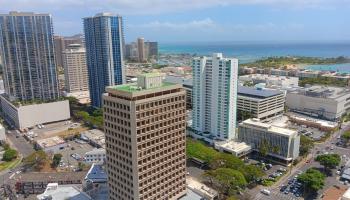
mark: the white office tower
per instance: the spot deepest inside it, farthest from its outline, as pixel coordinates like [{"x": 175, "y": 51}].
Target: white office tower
[{"x": 214, "y": 97}]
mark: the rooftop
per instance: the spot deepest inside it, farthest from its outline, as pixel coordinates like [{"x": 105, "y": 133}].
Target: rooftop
[
  {"x": 62, "y": 192},
  {"x": 133, "y": 88},
  {"x": 334, "y": 193},
  {"x": 271, "y": 128},
  {"x": 96, "y": 174},
  {"x": 49, "y": 142},
  {"x": 257, "y": 93},
  {"x": 318, "y": 91},
  {"x": 51, "y": 176},
  {"x": 200, "y": 188}
]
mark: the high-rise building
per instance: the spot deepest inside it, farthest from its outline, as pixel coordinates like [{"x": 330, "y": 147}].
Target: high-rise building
[
  {"x": 152, "y": 49},
  {"x": 61, "y": 44},
  {"x": 27, "y": 50},
  {"x": 75, "y": 69},
  {"x": 141, "y": 49},
  {"x": 214, "y": 96},
  {"x": 104, "y": 41},
  {"x": 145, "y": 139}
]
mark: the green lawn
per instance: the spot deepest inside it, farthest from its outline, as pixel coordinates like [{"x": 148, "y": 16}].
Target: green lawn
[{"x": 10, "y": 164}]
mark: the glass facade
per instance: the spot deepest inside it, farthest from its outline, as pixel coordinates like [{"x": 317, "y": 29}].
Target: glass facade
[
  {"x": 104, "y": 42},
  {"x": 28, "y": 58}
]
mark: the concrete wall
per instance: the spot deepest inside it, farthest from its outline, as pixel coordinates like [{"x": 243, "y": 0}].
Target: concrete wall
[
  {"x": 32, "y": 115},
  {"x": 329, "y": 108},
  {"x": 2, "y": 133}
]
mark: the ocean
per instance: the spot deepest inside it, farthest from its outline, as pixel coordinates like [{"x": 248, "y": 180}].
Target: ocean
[{"x": 251, "y": 51}]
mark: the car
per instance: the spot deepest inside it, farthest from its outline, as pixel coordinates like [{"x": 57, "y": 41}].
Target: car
[
  {"x": 265, "y": 191},
  {"x": 332, "y": 147},
  {"x": 338, "y": 172},
  {"x": 286, "y": 192},
  {"x": 283, "y": 188}
]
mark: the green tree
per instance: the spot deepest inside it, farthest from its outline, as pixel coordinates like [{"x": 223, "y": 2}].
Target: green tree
[
  {"x": 252, "y": 173},
  {"x": 264, "y": 148},
  {"x": 312, "y": 180},
  {"x": 56, "y": 160},
  {"x": 9, "y": 155},
  {"x": 329, "y": 161},
  {"x": 248, "y": 84},
  {"x": 224, "y": 160},
  {"x": 346, "y": 137},
  {"x": 35, "y": 160},
  {"x": 229, "y": 180},
  {"x": 306, "y": 144},
  {"x": 276, "y": 149}
]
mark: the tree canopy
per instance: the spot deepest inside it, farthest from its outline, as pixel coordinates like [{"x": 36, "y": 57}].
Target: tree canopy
[
  {"x": 312, "y": 180},
  {"x": 306, "y": 144},
  {"x": 56, "y": 160},
  {"x": 230, "y": 180},
  {"x": 329, "y": 161},
  {"x": 36, "y": 159},
  {"x": 9, "y": 154},
  {"x": 346, "y": 136}
]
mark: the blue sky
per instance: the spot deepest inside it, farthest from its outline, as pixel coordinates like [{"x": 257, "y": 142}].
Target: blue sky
[{"x": 204, "y": 20}]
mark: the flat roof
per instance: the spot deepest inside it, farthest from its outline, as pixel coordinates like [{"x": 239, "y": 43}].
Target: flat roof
[
  {"x": 49, "y": 142},
  {"x": 63, "y": 192},
  {"x": 257, "y": 93},
  {"x": 133, "y": 88},
  {"x": 50, "y": 176},
  {"x": 269, "y": 127}
]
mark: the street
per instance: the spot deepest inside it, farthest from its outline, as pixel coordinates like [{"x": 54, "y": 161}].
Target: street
[{"x": 306, "y": 164}]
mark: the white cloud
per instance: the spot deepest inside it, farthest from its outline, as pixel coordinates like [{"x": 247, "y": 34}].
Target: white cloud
[
  {"x": 198, "y": 24},
  {"x": 156, "y": 6}
]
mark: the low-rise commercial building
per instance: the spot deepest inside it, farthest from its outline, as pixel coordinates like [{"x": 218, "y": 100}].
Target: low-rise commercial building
[
  {"x": 260, "y": 104},
  {"x": 25, "y": 116},
  {"x": 36, "y": 182},
  {"x": 51, "y": 145},
  {"x": 282, "y": 144},
  {"x": 200, "y": 189},
  {"x": 62, "y": 192},
  {"x": 96, "y": 183},
  {"x": 95, "y": 156},
  {"x": 95, "y": 137},
  {"x": 322, "y": 102},
  {"x": 271, "y": 81},
  {"x": 238, "y": 149}
]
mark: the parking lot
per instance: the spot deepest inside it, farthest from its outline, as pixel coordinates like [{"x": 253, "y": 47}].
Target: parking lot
[
  {"x": 50, "y": 130},
  {"x": 73, "y": 148},
  {"x": 313, "y": 133}
]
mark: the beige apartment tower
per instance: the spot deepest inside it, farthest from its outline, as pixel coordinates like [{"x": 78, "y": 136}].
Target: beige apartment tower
[
  {"x": 145, "y": 139},
  {"x": 141, "y": 49},
  {"x": 75, "y": 69}
]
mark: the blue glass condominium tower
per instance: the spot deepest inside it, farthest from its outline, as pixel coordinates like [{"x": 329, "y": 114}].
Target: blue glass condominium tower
[
  {"x": 104, "y": 42},
  {"x": 28, "y": 58}
]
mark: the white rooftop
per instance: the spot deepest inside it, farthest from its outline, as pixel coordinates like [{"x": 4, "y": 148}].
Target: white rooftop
[
  {"x": 62, "y": 192},
  {"x": 200, "y": 188},
  {"x": 269, "y": 127}
]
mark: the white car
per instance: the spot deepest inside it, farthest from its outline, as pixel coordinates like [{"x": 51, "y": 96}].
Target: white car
[{"x": 265, "y": 191}]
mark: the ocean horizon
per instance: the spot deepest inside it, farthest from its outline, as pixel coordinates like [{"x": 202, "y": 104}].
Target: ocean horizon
[{"x": 251, "y": 51}]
